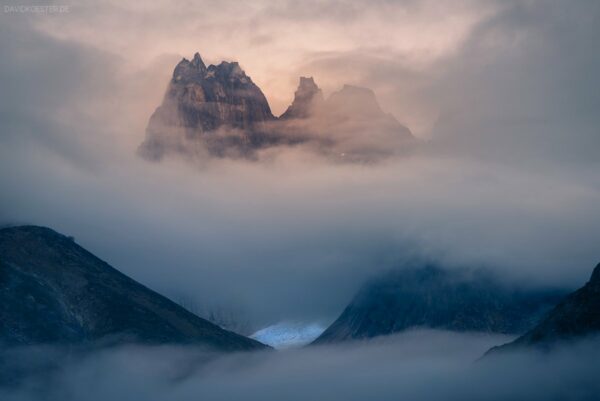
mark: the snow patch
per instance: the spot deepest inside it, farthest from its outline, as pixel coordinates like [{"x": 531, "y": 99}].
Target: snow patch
[{"x": 288, "y": 334}]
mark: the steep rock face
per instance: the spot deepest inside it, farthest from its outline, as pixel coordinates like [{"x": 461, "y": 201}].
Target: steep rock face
[
  {"x": 308, "y": 99},
  {"x": 218, "y": 105},
  {"x": 436, "y": 298},
  {"x": 576, "y": 316},
  {"x": 218, "y": 111},
  {"x": 53, "y": 291}
]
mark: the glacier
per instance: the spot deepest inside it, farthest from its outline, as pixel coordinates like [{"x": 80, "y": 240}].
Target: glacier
[{"x": 288, "y": 334}]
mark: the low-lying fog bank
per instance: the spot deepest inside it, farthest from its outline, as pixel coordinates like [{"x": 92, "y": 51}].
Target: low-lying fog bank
[{"x": 415, "y": 365}]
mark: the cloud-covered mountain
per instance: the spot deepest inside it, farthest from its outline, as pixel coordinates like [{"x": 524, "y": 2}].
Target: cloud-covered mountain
[
  {"x": 55, "y": 292},
  {"x": 218, "y": 111},
  {"x": 431, "y": 297},
  {"x": 308, "y": 98},
  {"x": 575, "y": 317},
  {"x": 217, "y": 106}
]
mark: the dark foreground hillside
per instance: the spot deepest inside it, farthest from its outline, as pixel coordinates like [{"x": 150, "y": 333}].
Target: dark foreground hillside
[{"x": 52, "y": 291}]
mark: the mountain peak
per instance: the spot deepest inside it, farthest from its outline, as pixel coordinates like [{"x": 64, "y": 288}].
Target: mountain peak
[
  {"x": 357, "y": 90},
  {"x": 355, "y": 100},
  {"x": 307, "y": 82},
  {"x": 306, "y": 98},
  {"x": 197, "y": 62},
  {"x": 307, "y": 88},
  {"x": 202, "y": 100},
  {"x": 356, "y": 95},
  {"x": 187, "y": 70},
  {"x": 196, "y": 71}
]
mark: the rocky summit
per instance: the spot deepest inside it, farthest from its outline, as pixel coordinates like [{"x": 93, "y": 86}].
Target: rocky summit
[
  {"x": 432, "y": 297},
  {"x": 55, "y": 292},
  {"x": 308, "y": 100},
  {"x": 218, "y": 106},
  {"x": 218, "y": 111}
]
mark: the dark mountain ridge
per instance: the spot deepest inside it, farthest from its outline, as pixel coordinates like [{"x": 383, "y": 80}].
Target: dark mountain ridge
[
  {"x": 432, "y": 297},
  {"x": 55, "y": 292},
  {"x": 575, "y": 317}
]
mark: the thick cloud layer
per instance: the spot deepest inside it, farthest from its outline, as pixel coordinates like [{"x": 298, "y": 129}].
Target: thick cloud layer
[
  {"x": 418, "y": 365},
  {"x": 506, "y": 177}
]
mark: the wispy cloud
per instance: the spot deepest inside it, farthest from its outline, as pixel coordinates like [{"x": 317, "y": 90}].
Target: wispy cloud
[{"x": 503, "y": 91}]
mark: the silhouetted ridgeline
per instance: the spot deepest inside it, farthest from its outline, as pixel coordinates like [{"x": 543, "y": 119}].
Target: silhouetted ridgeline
[
  {"x": 53, "y": 291},
  {"x": 432, "y": 297},
  {"x": 577, "y": 316}
]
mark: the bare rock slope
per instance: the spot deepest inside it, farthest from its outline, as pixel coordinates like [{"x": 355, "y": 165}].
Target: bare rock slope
[
  {"x": 53, "y": 291},
  {"x": 218, "y": 111}
]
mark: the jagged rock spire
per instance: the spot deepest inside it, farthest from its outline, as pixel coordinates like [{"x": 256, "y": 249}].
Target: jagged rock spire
[
  {"x": 198, "y": 63},
  {"x": 307, "y": 97},
  {"x": 187, "y": 70},
  {"x": 217, "y": 109},
  {"x": 201, "y": 100}
]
